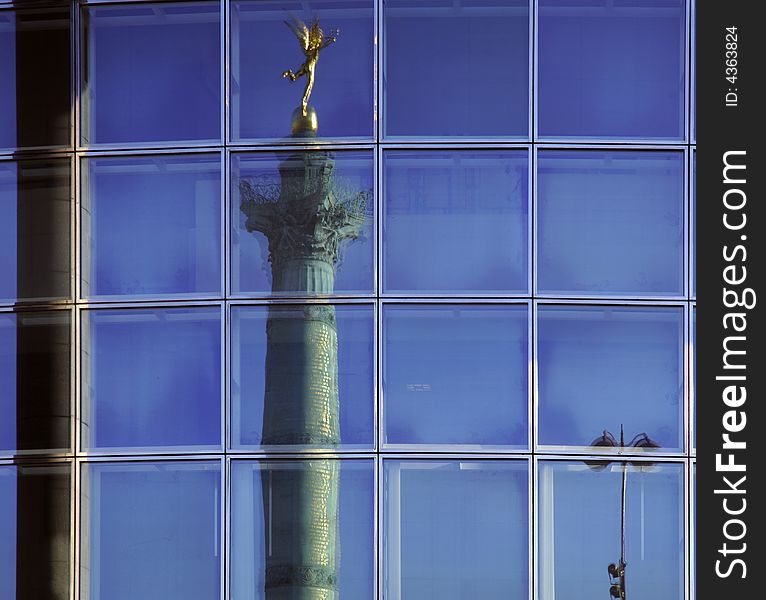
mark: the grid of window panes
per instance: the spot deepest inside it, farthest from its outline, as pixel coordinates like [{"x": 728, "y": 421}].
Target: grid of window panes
[{"x": 519, "y": 298}]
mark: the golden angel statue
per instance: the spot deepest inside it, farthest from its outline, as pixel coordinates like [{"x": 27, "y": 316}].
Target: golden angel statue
[{"x": 312, "y": 40}]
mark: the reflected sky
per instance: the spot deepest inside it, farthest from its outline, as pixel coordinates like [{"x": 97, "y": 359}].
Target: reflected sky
[
  {"x": 610, "y": 222},
  {"x": 153, "y": 377},
  {"x": 152, "y": 225},
  {"x": 611, "y": 69},
  {"x": 455, "y": 374},
  {"x": 456, "y": 221},
  {"x": 600, "y": 367},
  {"x": 456, "y": 69},
  {"x": 153, "y": 73},
  {"x": 456, "y": 530},
  {"x": 153, "y": 531}
]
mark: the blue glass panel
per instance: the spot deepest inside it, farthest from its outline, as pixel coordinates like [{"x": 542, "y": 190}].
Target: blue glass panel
[
  {"x": 263, "y": 47},
  {"x": 307, "y": 226},
  {"x": 35, "y": 78},
  {"x": 579, "y": 529},
  {"x": 302, "y": 521},
  {"x": 35, "y": 382},
  {"x": 456, "y": 68},
  {"x": 456, "y": 221},
  {"x": 693, "y": 260},
  {"x": 600, "y": 368},
  {"x": 693, "y": 383},
  {"x": 353, "y": 367},
  {"x": 35, "y": 218},
  {"x": 455, "y": 374},
  {"x": 152, "y": 377},
  {"x": 152, "y": 73},
  {"x": 610, "y": 222},
  {"x": 456, "y": 530},
  {"x": 611, "y": 69},
  {"x": 152, "y": 531},
  {"x": 35, "y": 509},
  {"x": 152, "y": 225}
]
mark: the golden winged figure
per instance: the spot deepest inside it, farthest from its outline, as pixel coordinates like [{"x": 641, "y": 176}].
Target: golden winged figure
[{"x": 312, "y": 40}]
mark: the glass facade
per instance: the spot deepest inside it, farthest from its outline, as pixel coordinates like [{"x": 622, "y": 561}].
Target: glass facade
[{"x": 439, "y": 346}]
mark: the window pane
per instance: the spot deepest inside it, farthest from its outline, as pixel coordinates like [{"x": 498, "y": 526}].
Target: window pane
[
  {"x": 611, "y": 70},
  {"x": 302, "y": 223},
  {"x": 579, "y": 529},
  {"x": 693, "y": 382},
  {"x": 602, "y": 368},
  {"x": 610, "y": 222},
  {"x": 35, "y": 507},
  {"x": 152, "y": 73},
  {"x": 455, "y": 374},
  {"x": 35, "y": 207},
  {"x": 432, "y": 84},
  {"x": 151, "y": 530},
  {"x": 152, "y": 377},
  {"x": 456, "y": 221},
  {"x": 693, "y": 260},
  {"x": 35, "y": 384},
  {"x": 263, "y": 47},
  {"x": 456, "y": 530},
  {"x": 302, "y": 525},
  {"x": 35, "y": 75},
  {"x": 152, "y": 225},
  {"x": 303, "y": 375}
]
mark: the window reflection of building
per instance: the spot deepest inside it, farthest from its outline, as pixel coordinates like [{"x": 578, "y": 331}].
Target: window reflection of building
[{"x": 516, "y": 288}]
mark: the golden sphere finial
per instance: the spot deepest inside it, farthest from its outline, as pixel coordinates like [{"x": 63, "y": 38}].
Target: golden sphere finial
[{"x": 304, "y": 125}]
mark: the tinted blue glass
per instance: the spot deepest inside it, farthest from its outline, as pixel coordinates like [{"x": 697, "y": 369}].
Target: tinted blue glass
[
  {"x": 290, "y": 526},
  {"x": 35, "y": 509},
  {"x": 600, "y": 368},
  {"x": 456, "y": 530},
  {"x": 152, "y": 377},
  {"x": 610, "y": 222},
  {"x": 579, "y": 529},
  {"x": 693, "y": 118},
  {"x": 611, "y": 70},
  {"x": 35, "y": 218},
  {"x": 354, "y": 363},
  {"x": 152, "y": 225},
  {"x": 455, "y": 374},
  {"x": 350, "y": 177},
  {"x": 35, "y": 87},
  {"x": 152, "y": 530},
  {"x": 456, "y": 68},
  {"x": 693, "y": 260},
  {"x": 693, "y": 383},
  {"x": 35, "y": 381},
  {"x": 263, "y": 47},
  {"x": 152, "y": 73},
  {"x": 456, "y": 221}
]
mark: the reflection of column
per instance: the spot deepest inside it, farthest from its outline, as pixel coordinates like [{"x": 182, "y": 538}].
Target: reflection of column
[{"x": 305, "y": 224}]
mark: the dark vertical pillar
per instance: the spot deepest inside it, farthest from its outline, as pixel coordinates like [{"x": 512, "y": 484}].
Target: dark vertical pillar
[
  {"x": 43, "y": 532},
  {"x": 43, "y": 118}
]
